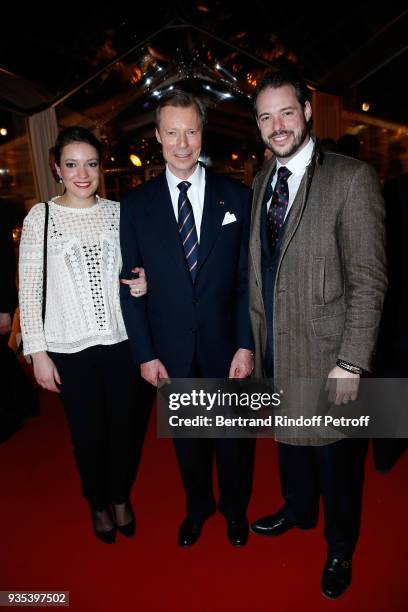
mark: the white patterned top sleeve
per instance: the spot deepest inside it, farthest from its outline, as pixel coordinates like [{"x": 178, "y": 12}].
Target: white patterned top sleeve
[{"x": 84, "y": 262}]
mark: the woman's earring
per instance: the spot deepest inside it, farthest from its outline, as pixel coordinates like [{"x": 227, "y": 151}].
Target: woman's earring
[{"x": 60, "y": 179}]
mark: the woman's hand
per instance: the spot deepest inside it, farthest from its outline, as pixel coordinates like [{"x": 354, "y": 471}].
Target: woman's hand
[
  {"x": 137, "y": 286},
  {"x": 45, "y": 372}
]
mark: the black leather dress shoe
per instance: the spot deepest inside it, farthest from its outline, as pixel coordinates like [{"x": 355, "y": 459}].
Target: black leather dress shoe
[
  {"x": 272, "y": 525},
  {"x": 336, "y": 577},
  {"x": 190, "y": 531},
  {"x": 238, "y": 531}
]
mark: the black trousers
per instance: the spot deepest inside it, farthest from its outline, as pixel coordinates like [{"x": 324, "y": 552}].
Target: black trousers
[
  {"x": 235, "y": 463},
  {"x": 107, "y": 407},
  {"x": 334, "y": 471},
  {"x": 234, "y": 459}
]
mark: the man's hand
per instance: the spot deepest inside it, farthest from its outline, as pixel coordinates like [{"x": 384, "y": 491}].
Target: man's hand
[
  {"x": 137, "y": 286},
  {"x": 342, "y": 386},
  {"x": 5, "y": 323},
  {"x": 152, "y": 371},
  {"x": 242, "y": 364},
  {"x": 45, "y": 372}
]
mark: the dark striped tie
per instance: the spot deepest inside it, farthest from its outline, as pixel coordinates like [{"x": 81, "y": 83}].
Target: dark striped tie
[
  {"x": 278, "y": 207},
  {"x": 187, "y": 228}
]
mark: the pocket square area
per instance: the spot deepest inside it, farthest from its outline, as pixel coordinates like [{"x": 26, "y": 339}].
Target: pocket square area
[{"x": 229, "y": 218}]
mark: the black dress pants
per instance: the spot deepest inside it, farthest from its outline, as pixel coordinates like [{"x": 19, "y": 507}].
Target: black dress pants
[
  {"x": 235, "y": 463},
  {"x": 107, "y": 407},
  {"x": 334, "y": 471},
  {"x": 234, "y": 460}
]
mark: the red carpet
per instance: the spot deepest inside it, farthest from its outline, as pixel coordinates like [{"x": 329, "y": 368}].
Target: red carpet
[{"x": 47, "y": 543}]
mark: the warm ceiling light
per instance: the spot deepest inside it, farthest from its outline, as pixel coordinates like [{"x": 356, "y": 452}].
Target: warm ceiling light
[
  {"x": 136, "y": 74},
  {"x": 136, "y": 161},
  {"x": 365, "y": 106},
  {"x": 3, "y": 132},
  {"x": 234, "y": 156}
]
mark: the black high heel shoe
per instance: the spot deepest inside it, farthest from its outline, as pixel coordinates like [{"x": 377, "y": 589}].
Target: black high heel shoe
[
  {"x": 107, "y": 537},
  {"x": 128, "y": 530}
]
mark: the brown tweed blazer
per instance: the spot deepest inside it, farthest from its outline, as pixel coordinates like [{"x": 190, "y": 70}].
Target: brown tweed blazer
[{"x": 331, "y": 276}]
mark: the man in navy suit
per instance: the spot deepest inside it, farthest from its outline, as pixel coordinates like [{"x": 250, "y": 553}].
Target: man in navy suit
[{"x": 189, "y": 229}]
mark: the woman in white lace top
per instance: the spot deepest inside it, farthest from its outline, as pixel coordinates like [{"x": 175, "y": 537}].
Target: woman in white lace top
[{"x": 81, "y": 349}]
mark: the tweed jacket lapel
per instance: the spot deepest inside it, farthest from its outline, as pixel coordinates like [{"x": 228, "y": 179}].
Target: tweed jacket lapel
[
  {"x": 259, "y": 186},
  {"x": 299, "y": 203}
]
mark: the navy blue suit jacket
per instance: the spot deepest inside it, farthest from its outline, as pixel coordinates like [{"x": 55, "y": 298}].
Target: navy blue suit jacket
[{"x": 178, "y": 321}]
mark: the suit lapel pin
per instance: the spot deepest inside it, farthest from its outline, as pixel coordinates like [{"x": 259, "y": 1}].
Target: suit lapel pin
[{"x": 221, "y": 202}]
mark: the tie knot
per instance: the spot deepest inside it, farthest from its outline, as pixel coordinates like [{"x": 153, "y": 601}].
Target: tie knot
[
  {"x": 283, "y": 173},
  {"x": 183, "y": 186}
]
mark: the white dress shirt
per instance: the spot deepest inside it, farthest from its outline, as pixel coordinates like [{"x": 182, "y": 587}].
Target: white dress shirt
[
  {"x": 195, "y": 193},
  {"x": 297, "y": 165}
]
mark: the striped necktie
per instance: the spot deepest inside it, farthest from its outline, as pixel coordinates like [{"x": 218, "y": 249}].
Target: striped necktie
[
  {"x": 187, "y": 228},
  {"x": 278, "y": 207}
]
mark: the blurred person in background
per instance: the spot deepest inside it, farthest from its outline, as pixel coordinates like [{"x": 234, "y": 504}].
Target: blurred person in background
[{"x": 19, "y": 398}]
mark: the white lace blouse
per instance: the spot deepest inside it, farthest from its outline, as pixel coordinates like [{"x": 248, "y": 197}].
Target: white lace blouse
[{"x": 84, "y": 262}]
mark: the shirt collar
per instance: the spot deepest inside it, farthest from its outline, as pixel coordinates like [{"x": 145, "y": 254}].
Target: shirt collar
[
  {"x": 300, "y": 161},
  {"x": 194, "y": 179}
]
